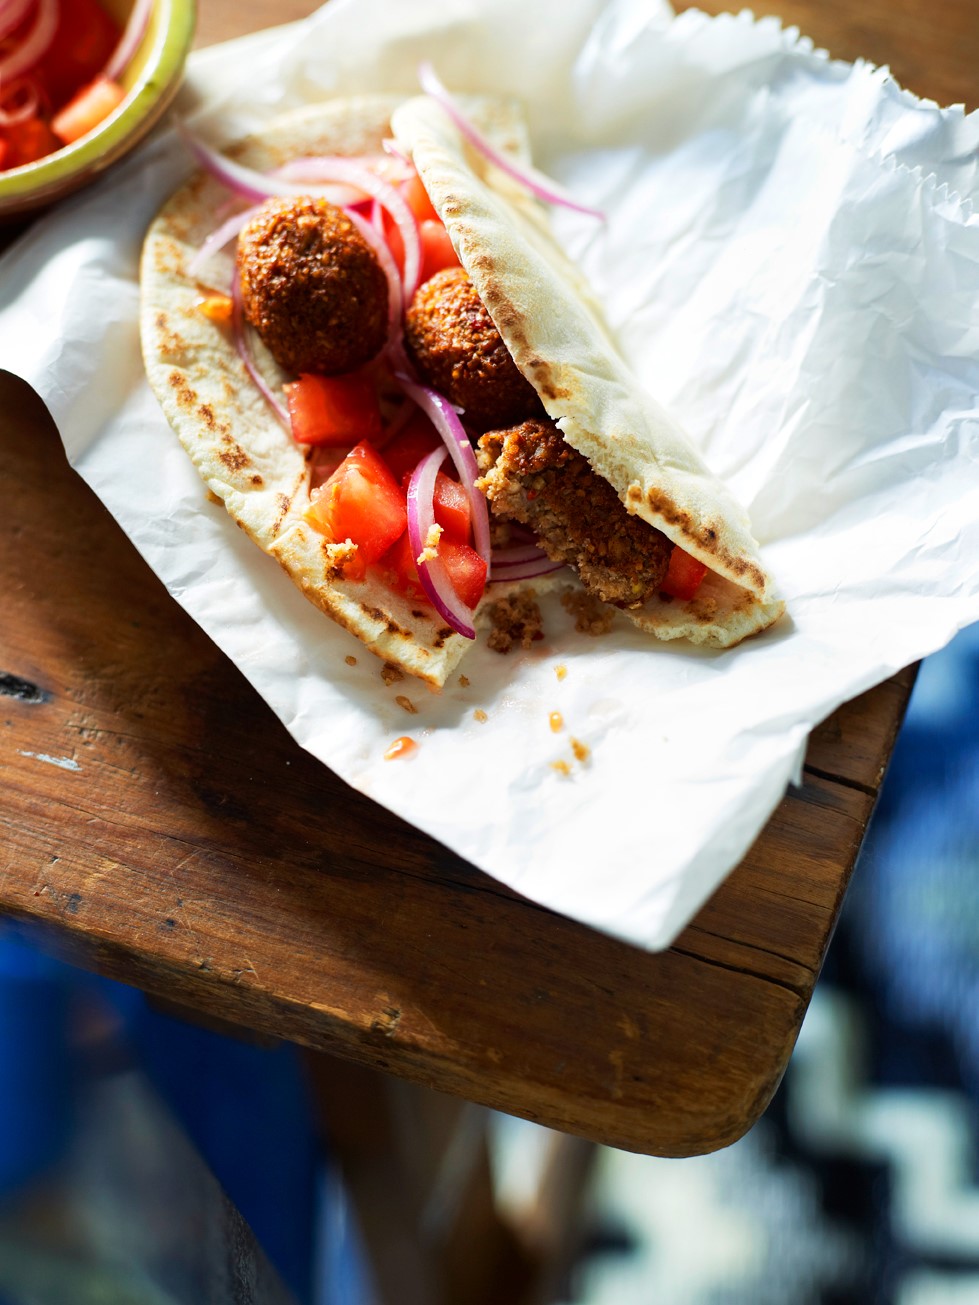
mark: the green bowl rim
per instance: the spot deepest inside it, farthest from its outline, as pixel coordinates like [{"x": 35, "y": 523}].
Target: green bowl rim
[{"x": 162, "y": 67}]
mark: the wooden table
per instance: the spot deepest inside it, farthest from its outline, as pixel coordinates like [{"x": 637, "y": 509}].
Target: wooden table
[{"x": 159, "y": 822}]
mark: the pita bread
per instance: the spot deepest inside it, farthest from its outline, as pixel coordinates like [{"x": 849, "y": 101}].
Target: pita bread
[
  {"x": 262, "y": 477},
  {"x": 556, "y": 337}
]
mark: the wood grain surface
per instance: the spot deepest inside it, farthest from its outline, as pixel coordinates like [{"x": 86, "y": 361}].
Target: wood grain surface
[{"x": 158, "y": 824}]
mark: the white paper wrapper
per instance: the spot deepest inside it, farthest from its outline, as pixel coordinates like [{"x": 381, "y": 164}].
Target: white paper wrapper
[{"x": 791, "y": 260}]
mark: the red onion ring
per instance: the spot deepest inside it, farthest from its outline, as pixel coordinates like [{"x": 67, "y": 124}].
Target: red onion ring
[
  {"x": 523, "y": 570},
  {"x": 10, "y": 117},
  {"x": 247, "y": 182},
  {"x": 543, "y": 187},
  {"x": 445, "y": 420},
  {"x": 245, "y": 354},
  {"x": 388, "y": 267},
  {"x": 132, "y": 36},
  {"x": 432, "y": 574},
  {"x": 217, "y": 240},
  {"x": 516, "y": 556},
  {"x": 12, "y": 14},
  {"x": 35, "y": 43}
]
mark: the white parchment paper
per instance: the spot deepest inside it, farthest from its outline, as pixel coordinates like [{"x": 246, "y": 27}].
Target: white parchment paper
[{"x": 791, "y": 260}]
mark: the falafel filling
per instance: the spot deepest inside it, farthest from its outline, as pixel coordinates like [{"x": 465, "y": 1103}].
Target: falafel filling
[{"x": 532, "y": 476}]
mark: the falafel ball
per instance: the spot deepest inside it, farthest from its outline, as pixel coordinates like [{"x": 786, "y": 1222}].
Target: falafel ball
[
  {"x": 312, "y": 286},
  {"x": 455, "y": 346}
]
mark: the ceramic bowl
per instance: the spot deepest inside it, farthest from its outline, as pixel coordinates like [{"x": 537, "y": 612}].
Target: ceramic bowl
[{"x": 151, "y": 81}]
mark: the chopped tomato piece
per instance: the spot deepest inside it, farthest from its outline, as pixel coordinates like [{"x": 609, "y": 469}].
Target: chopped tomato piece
[
  {"x": 4, "y": 150},
  {"x": 85, "y": 38},
  {"x": 437, "y": 251},
  {"x": 393, "y": 236},
  {"x": 361, "y": 502},
  {"x": 27, "y": 141},
  {"x": 333, "y": 410},
  {"x": 452, "y": 509},
  {"x": 467, "y": 570},
  {"x": 90, "y": 106},
  {"x": 398, "y": 569},
  {"x": 416, "y": 438},
  {"x": 684, "y": 575},
  {"x": 417, "y": 196}
]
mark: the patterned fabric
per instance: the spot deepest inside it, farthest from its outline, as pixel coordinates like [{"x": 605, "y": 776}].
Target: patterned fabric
[{"x": 860, "y": 1186}]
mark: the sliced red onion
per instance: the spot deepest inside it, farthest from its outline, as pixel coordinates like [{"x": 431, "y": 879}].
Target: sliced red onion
[
  {"x": 247, "y": 182},
  {"x": 516, "y": 556},
  {"x": 543, "y": 187},
  {"x": 388, "y": 266},
  {"x": 446, "y": 421},
  {"x": 27, "y": 107},
  {"x": 35, "y": 43},
  {"x": 392, "y": 147},
  {"x": 312, "y": 167},
  {"x": 432, "y": 574},
  {"x": 523, "y": 570},
  {"x": 129, "y": 42},
  {"x": 12, "y": 14},
  {"x": 217, "y": 240},
  {"x": 352, "y": 172},
  {"x": 245, "y": 354}
]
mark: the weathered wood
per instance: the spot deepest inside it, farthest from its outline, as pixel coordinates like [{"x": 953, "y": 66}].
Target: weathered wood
[{"x": 160, "y": 825}]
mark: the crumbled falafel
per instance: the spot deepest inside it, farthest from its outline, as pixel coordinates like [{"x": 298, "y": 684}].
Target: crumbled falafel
[
  {"x": 531, "y": 475},
  {"x": 312, "y": 286}
]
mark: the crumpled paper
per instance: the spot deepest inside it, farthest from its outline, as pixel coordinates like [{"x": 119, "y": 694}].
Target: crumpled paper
[{"x": 791, "y": 262}]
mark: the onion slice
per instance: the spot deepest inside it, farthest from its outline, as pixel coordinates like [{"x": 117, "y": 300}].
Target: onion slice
[
  {"x": 446, "y": 421},
  {"x": 248, "y": 182},
  {"x": 523, "y": 570},
  {"x": 29, "y": 100},
  {"x": 543, "y": 187},
  {"x": 240, "y": 328},
  {"x": 34, "y": 44},
  {"x": 132, "y": 36},
  {"x": 432, "y": 573},
  {"x": 12, "y": 14},
  {"x": 217, "y": 240},
  {"x": 388, "y": 266}
]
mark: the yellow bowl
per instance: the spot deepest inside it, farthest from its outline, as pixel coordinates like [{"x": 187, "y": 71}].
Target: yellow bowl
[{"x": 151, "y": 81}]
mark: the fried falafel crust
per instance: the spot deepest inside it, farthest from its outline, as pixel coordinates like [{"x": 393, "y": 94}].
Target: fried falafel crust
[
  {"x": 457, "y": 349},
  {"x": 531, "y": 475},
  {"x": 312, "y": 286}
]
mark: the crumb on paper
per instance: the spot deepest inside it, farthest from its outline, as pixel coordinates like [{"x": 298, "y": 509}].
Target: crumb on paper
[
  {"x": 557, "y": 722},
  {"x": 562, "y": 767},
  {"x": 591, "y": 615},
  {"x": 515, "y": 620},
  {"x": 402, "y": 747},
  {"x": 350, "y": 659},
  {"x": 391, "y": 674},
  {"x": 581, "y": 750},
  {"x": 407, "y": 704},
  {"x": 480, "y": 715},
  {"x": 464, "y": 681},
  {"x": 561, "y": 671}
]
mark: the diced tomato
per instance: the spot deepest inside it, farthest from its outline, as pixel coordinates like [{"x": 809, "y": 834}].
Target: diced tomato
[
  {"x": 452, "y": 509},
  {"x": 333, "y": 410},
  {"x": 684, "y": 575},
  {"x": 398, "y": 569},
  {"x": 27, "y": 141},
  {"x": 437, "y": 251},
  {"x": 361, "y": 502},
  {"x": 4, "y": 150},
  {"x": 85, "y": 39},
  {"x": 416, "y": 438},
  {"x": 393, "y": 236},
  {"x": 85, "y": 110},
  {"x": 417, "y": 196},
  {"x": 467, "y": 570}
]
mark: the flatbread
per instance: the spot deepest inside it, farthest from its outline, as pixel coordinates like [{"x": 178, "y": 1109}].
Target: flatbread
[
  {"x": 550, "y": 325},
  {"x": 557, "y": 339}
]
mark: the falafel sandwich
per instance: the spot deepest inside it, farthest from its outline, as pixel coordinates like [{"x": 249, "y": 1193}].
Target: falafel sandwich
[{"x": 401, "y": 390}]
